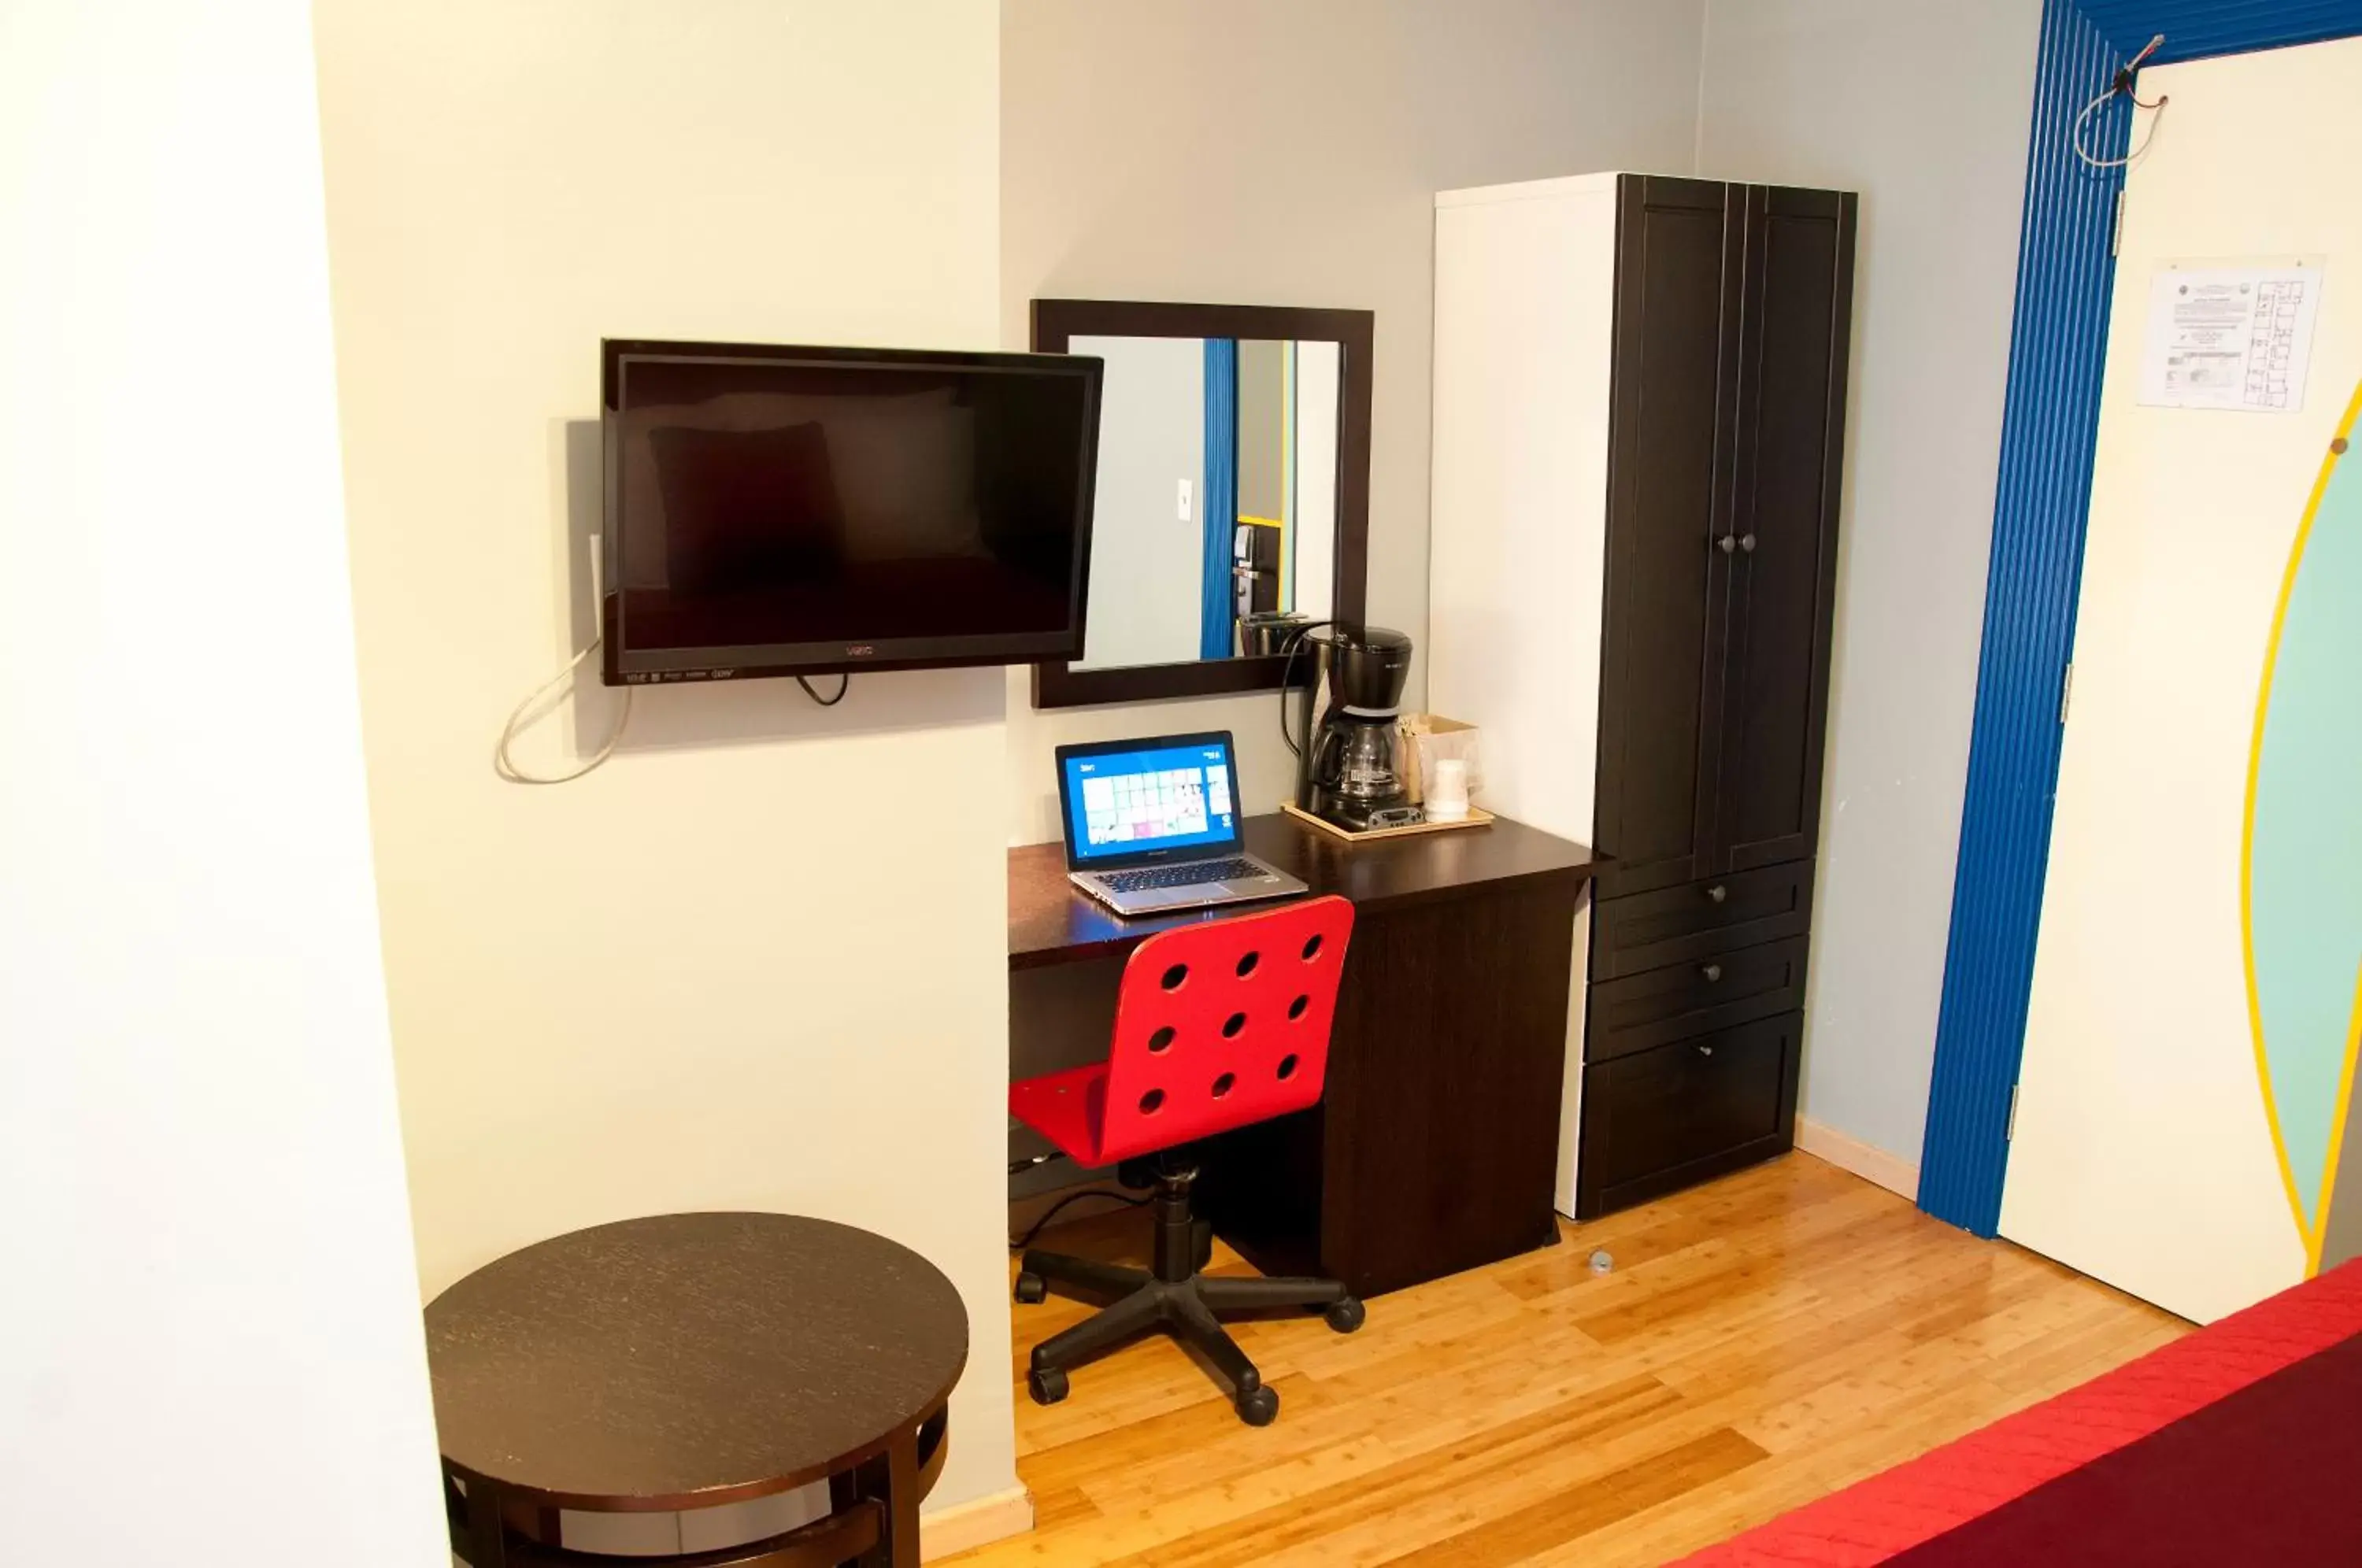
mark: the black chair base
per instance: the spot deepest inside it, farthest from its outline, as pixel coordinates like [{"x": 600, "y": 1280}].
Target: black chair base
[{"x": 1172, "y": 1296}]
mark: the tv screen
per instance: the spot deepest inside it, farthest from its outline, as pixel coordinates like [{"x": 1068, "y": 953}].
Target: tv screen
[{"x": 774, "y": 511}]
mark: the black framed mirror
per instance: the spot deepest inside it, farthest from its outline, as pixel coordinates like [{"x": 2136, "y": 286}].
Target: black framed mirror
[{"x": 1233, "y": 503}]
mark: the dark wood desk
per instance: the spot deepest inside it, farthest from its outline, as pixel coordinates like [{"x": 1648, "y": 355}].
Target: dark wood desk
[{"x": 1435, "y": 1149}]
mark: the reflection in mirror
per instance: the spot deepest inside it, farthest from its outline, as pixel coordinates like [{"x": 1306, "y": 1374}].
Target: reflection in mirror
[{"x": 1214, "y": 526}]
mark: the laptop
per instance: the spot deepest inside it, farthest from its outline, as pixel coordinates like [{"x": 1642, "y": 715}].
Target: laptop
[{"x": 1152, "y": 825}]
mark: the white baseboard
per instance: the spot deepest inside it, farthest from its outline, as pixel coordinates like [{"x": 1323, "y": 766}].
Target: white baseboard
[
  {"x": 979, "y": 1521},
  {"x": 1850, "y": 1153}
]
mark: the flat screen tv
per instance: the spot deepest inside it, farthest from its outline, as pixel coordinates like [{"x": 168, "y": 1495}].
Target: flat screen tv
[{"x": 779, "y": 511}]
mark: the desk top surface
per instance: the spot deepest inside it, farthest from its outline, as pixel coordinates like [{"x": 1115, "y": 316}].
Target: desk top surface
[
  {"x": 684, "y": 1359},
  {"x": 1053, "y": 921}
]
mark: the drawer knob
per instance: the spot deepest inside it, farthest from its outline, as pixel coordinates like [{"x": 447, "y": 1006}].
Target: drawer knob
[
  {"x": 1713, "y": 972},
  {"x": 1706, "y": 1049},
  {"x": 1717, "y": 892}
]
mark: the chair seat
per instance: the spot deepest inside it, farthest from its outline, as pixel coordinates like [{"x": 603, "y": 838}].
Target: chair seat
[{"x": 1069, "y": 1108}]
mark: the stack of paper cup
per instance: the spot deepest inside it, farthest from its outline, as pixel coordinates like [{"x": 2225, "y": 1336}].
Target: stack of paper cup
[{"x": 1447, "y": 792}]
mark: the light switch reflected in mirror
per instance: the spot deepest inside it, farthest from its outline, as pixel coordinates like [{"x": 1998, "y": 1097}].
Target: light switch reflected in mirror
[{"x": 1214, "y": 524}]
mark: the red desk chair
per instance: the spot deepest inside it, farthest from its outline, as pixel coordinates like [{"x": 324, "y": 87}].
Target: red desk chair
[{"x": 1217, "y": 1026}]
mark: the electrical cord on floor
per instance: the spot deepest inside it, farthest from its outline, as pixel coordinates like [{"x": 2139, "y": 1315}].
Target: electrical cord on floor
[{"x": 1035, "y": 1229}]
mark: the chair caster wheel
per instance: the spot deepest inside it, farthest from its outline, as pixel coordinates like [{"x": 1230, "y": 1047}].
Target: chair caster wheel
[
  {"x": 1047, "y": 1385},
  {"x": 1031, "y": 1289},
  {"x": 1259, "y": 1407},
  {"x": 1344, "y": 1316}
]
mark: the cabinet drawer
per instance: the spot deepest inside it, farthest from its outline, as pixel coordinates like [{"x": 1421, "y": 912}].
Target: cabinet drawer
[
  {"x": 1697, "y": 920},
  {"x": 1658, "y": 1007},
  {"x": 1657, "y": 1120}
]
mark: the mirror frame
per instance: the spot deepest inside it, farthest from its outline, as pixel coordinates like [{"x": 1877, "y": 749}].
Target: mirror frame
[{"x": 1057, "y": 323}]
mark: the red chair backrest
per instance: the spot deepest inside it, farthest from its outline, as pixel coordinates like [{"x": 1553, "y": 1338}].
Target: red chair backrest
[{"x": 1223, "y": 1025}]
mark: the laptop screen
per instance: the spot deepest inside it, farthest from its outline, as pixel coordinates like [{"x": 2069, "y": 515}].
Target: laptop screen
[{"x": 1144, "y": 797}]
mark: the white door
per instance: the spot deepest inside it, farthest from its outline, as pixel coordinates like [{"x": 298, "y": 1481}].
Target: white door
[{"x": 2158, "y": 1145}]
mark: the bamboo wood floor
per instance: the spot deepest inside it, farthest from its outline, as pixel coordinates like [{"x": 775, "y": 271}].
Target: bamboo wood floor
[{"x": 1760, "y": 1342}]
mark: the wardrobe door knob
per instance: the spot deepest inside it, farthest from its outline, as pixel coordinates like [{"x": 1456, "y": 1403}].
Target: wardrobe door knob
[
  {"x": 1713, "y": 972},
  {"x": 1706, "y": 1049},
  {"x": 1747, "y": 543},
  {"x": 1726, "y": 544},
  {"x": 1717, "y": 892}
]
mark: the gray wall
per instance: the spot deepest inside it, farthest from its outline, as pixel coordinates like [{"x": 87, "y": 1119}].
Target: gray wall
[
  {"x": 1306, "y": 177},
  {"x": 1147, "y": 564},
  {"x": 1243, "y": 151},
  {"x": 1922, "y": 107}
]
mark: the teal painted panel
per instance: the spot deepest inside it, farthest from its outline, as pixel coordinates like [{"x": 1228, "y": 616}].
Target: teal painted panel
[{"x": 2306, "y": 849}]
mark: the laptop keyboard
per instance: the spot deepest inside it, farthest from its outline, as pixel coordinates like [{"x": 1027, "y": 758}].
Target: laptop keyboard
[{"x": 1187, "y": 876}]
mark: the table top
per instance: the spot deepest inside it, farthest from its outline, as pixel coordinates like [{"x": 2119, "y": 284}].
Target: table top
[
  {"x": 687, "y": 1359},
  {"x": 1053, "y": 921}
]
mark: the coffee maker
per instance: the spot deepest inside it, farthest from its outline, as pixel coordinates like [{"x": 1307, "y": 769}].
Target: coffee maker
[{"x": 1348, "y": 770}]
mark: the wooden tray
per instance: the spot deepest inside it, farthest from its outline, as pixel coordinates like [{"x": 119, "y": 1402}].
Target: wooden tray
[{"x": 1477, "y": 817}]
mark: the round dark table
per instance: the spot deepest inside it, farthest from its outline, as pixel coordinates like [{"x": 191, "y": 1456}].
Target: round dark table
[{"x": 687, "y": 1361}]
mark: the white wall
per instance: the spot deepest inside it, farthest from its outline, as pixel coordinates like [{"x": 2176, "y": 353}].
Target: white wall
[
  {"x": 210, "y": 1311},
  {"x": 758, "y": 960},
  {"x": 1147, "y": 560},
  {"x": 1318, "y": 369},
  {"x": 1242, "y": 152},
  {"x": 1922, "y": 106}
]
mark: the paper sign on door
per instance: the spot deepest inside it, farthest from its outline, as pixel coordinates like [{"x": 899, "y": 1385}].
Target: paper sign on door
[{"x": 2229, "y": 338}]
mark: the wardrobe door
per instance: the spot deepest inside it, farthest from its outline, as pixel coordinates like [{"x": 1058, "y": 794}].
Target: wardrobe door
[
  {"x": 1782, "y": 548},
  {"x": 1673, "y": 411}
]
